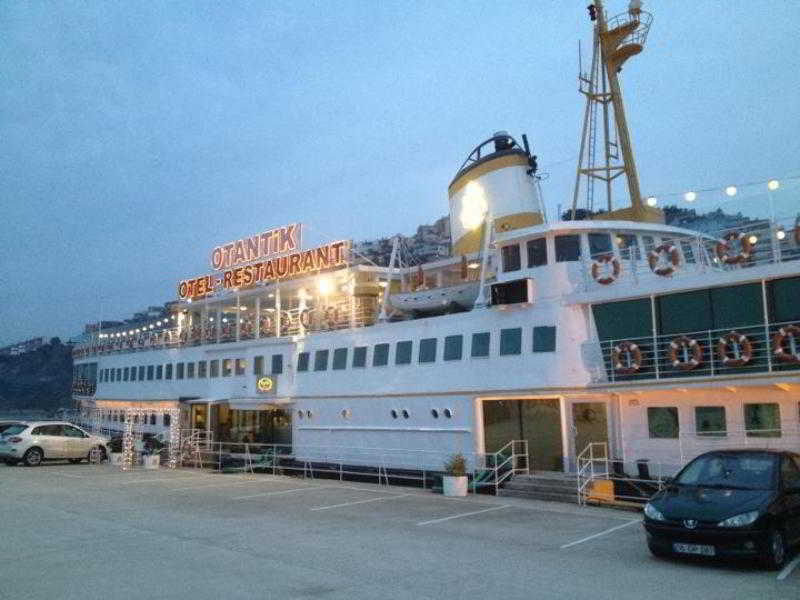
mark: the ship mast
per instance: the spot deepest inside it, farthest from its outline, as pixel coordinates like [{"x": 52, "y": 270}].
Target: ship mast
[{"x": 615, "y": 41}]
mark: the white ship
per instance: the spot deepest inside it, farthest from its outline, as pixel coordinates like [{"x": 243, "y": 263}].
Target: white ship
[{"x": 656, "y": 341}]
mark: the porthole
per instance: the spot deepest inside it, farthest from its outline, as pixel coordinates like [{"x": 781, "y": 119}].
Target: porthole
[
  {"x": 405, "y": 413},
  {"x": 448, "y": 413},
  {"x": 434, "y": 413},
  {"x": 308, "y": 414},
  {"x": 346, "y": 413},
  {"x": 299, "y": 414},
  {"x": 393, "y": 412}
]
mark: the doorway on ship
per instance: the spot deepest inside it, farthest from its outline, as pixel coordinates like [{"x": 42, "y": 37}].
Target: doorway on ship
[
  {"x": 537, "y": 420},
  {"x": 589, "y": 424},
  {"x": 199, "y": 417}
]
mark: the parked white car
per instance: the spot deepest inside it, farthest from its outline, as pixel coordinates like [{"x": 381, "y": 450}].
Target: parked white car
[{"x": 34, "y": 442}]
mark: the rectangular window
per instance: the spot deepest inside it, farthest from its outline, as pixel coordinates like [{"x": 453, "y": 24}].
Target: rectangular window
[
  {"x": 568, "y": 248},
  {"x": 599, "y": 243},
  {"x": 510, "y": 341},
  {"x": 340, "y": 359},
  {"x": 150, "y": 371},
  {"x": 402, "y": 355},
  {"x": 662, "y": 422},
  {"x": 709, "y": 421},
  {"x": 427, "y": 350},
  {"x": 302, "y": 361},
  {"x": 168, "y": 371},
  {"x": 628, "y": 247},
  {"x": 190, "y": 370},
  {"x": 141, "y": 373},
  {"x": 126, "y": 374},
  {"x": 227, "y": 367},
  {"x": 480, "y": 345},
  {"x": 277, "y": 364},
  {"x": 649, "y": 243},
  {"x": 159, "y": 371},
  {"x": 380, "y": 355},
  {"x": 511, "y": 259},
  {"x": 179, "y": 369},
  {"x": 167, "y": 420},
  {"x": 762, "y": 420},
  {"x": 359, "y": 356},
  {"x": 241, "y": 366},
  {"x": 544, "y": 339},
  {"x": 537, "y": 252},
  {"x": 113, "y": 374},
  {"x": 214, "y": 367},
  {"x": 201, "y": 369},
  {"x": 688, "y": 251},
  {"x": 258, "y": 365},
  {"x": 453, "y": 347},
  {"x": 133, "y": 373},
  {"x": 321, "y": 360},
  {"x": 119, "y": 374}
]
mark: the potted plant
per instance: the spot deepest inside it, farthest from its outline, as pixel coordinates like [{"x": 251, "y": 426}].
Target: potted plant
[
  {"x": 115, "y": 451},
  {"x": 151, "y": 455},
  {"x": 454, "y": 482}
]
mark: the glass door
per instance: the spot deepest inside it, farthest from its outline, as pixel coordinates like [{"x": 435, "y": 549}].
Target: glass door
[{"x": 589, "y": 424}]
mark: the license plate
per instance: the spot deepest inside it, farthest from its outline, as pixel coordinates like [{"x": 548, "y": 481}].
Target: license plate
[{"x": 694, "y": 549}]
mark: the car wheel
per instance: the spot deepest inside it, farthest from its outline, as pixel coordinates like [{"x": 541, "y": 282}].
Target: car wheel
[
  {"x": 33, "y": 457},
  {"x": 96, "y": 455},
  {"x": 775, "y": 552},
  {"x": 75, "y": 461},
  {"x": 656, "y": 551}
]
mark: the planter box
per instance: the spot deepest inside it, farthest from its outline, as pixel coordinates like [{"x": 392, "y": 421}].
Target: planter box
[
  {"x": 454, "y": 486},
  {"x": 115, "y": 459},
  {"x": 152, "y": 462}
]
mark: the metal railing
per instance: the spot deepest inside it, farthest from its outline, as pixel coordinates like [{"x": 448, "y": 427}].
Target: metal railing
[{"x": 498, "y": 467}]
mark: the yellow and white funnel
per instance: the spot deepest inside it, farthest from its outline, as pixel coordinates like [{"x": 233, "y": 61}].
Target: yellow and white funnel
[{"x": 495, "y": 182}]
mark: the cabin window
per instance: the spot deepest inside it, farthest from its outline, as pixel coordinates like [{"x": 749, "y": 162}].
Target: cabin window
[
  {"x": 340, "y": 359},
  {"x": 709, "y": 421},
  {"x": 688, "y": 251},
  {"x": 179, "y": 369},
  {"x": 168, "y": 371},
  {"x": 214, "y": 367},
  {"x": 568, "y": 248},
  {"x": 321, "y": 360},
  {"x": 227, "y": 368},
  {"x": 380, "y": 356},
  {"x": 201, "y": 368},
  {"x": 662, "y": 422},
  {"x": 510, "y": 341},
  {"x": 133, "y": 373},
  {"x": 480, "y": 345},
  {"x": 159, "y": 371},
  {"x": 453, "y": 345},
  {"x": 511, "y": 258},
  {"x": 302, "y": 361},
  {"x": 403, "y": 353},
  {"x": 141, "y": 373},
  {"x": 119, "y": 374},
  {"x": 126, "y": 374},
  {"x": 628, "y": 247},
  {"x": 537, "y": 252},
  {"x": 783, "y": 295},
  {"x": 599, "y": 243},
  {"x": 762, "y": 420},
  {"x": 167, "y": 420},
  {"x": 277, "y": 364},
  {"x": 544, "y": 339},
  {"x": 649, "y": 243},
  {"x": 359, "y": 356},
  {"x": 258, "y": 365},
  {"x": 190, "y": 370},
  {"x": 427, "y": 350},
  {"x": 150, "y": 372},
  {"x": 241, "y": 365}
]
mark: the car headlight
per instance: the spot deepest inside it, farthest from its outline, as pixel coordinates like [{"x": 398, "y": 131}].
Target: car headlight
[
  {"x": 741, "y": 520},
  {"x": 651, "y": 512}
]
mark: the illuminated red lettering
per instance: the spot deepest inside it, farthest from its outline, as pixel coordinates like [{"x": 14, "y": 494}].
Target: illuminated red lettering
[{"x": 226, "y": 280}]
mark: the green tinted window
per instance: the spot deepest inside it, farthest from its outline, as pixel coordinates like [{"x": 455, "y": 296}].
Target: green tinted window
[
  {"x": 710, "y": 421},
  {"x": 403, "y": 353},
  {"x": 360, "y": 356},
  {"x": 453, "y": 347},
  {"x": 339, "y": 359},
  {"x": 277, "y": 364},
  {"x": 737, "y": 306},
  {"x": 783, "y": 299},
  {"x": 321, "y": 360},
  {"x": 427, "y": 350},
  {"x": 302, "y": 361},
  {"x": 258, "y": 365},
  {"x": 380, "y": 356},
  {"x": 480, "y": 344},
  {"x": 623, "y": 320},
  {"x": 762, "y": 420},
  {"x": 662, "y": 422},
  {"x": 510, "y": 341},
  {"x": 544, "y": 339}
]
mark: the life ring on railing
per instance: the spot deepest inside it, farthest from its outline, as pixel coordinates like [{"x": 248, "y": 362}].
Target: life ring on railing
[
  {"x": 265, "y": 325},
  {"x": 305, "y": 318},
  {"x": 633, "y": 354},
  {"x": 678, "y": 345},
  {"x": 745, "y": 353},
  {"x": 604, "y": 260},
  {"x": 724, "y": 248},
  {"x": 331, "y": 317},
  {"x": 672, "y": 254},
  {"x": 784, "y": 334}
]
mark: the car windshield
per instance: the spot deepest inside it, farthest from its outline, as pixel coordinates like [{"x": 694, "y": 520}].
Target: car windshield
[
  {"x": 14, "y": 429},
  {"x": 742, "y": 471}
]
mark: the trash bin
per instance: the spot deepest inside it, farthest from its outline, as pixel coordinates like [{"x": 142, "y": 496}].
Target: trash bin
[{"x": 643, "y": 468}]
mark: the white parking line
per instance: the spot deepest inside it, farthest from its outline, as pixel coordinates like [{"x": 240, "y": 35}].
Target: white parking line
[
  {"x": 469, "y": 514},
  {"x": 360, "y": 502},
  {"x": 788, "y": 569},
  {"x": 202, "y": 487},
  {"x": 279, "y": 492},
  {"x": 597, "y": 535}
]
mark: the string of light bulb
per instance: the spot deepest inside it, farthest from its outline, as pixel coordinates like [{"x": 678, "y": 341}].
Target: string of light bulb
[{"x": 771, "y": 185}]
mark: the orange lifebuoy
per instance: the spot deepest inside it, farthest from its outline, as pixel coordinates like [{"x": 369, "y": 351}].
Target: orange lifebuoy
[
  {"x": 305, "y": 318},
  {"x": 634, "y": 357},
  {"x": 792, "y": 334},
  {"x": 724, "y": 248},
  {"x": 730, "y": 339},
  {"x": 674, "y": 259},
  {"x": 331, "y": 317},
  {"x": 604, "y": 260},
  {"x": 678, "y": 345}
]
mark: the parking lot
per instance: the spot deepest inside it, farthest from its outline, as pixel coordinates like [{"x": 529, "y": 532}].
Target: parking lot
[{"x": 91, "y": 531}]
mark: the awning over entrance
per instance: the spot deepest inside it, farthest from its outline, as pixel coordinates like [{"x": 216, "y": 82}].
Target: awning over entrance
[{"x": 256, "y": 403}]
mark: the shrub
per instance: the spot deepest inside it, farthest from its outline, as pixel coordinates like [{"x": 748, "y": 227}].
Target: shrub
[{"x": 456, "y": 466}]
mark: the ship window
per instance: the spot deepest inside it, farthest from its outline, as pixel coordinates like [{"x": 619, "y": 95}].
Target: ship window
[
  {"x": 762, "y": 420},
  {"x": 709, "y": 421},
  {"x": 277, "y": 364},
  {"x": 152, "y": 418},
  {"x": 537, "y": 252},
  {"x": 662, "y": 422},
  {"x": 427, "y": 350},
  {"x": 511, "y": 259},
  {"x": 141, "y": 373},
  {"x": 150, "y": 370},
  {"x": 241, "y": 365},
  {"x": 126, "y": 374},
  {"x": 179, "y": 370},
  {"x": 568, "y": 248},
  {"x": 302, "y": 361},
  {"x": 628, "y": 246},
  {"x": 599, "y": 243},
  {"x": 453, "y": 345},
  {"x": 510, "y": 341},
  {"x": 167, "y": 420},
  {"x": 393, "y": 412},
  {"x": 649, "y": 243},
  {"x": 133, "y": 373},
  {"x": 406, "y": 414},
  {"x": 214, "y": 367},
  {"x": 201, "y": 368},
  {"x": 402, "y": 354},
  {"x": 380, "y": 356},
  {"x": 688, "y": 251},
  {"x": 544, "y": 339},
  {"x": 434, "y": 413},
  {"x": 168, "y": 371},
  {"x": 190, "y": 370},
  {"x": 227, "y": 367},
  {"x": 119, "y": 374},
  {"x": 480, "y": 344},
  {"x": 258, "y": 365},
  {"x": 321, "y": 360},
  {"x": 339, "y": 359},
  {"x": 448, "y": 413},
  {"x": 360, "y": 356},
  {"x": 159, "y": 371}
]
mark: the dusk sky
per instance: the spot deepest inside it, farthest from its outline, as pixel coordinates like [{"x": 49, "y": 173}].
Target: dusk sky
[{"x": 136, "y": 136}]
